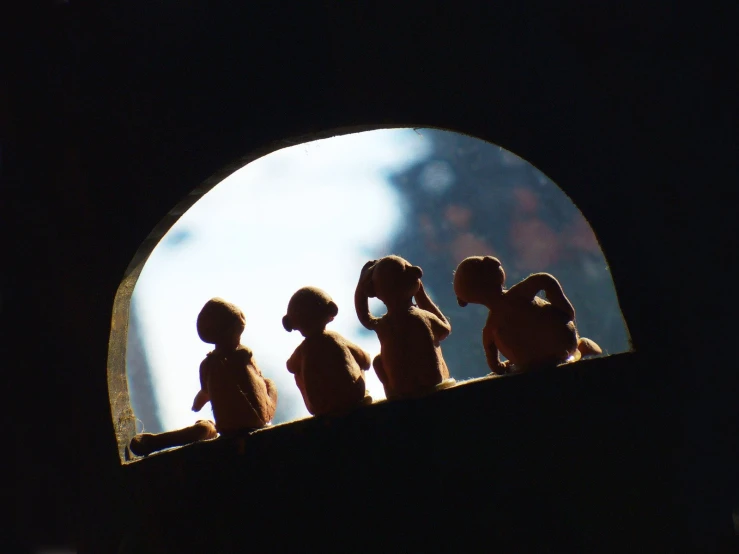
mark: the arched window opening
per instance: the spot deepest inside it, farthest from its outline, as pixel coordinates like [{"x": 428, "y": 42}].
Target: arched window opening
[{"x": 313, "y": 214}]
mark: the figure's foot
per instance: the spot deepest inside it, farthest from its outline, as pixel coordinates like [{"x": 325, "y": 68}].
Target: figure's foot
[
  {"x": 588, "y": 347},
  {"x": 503, "y": 368},
  {"x": 511, "y": 369},
  {"x": 142, "y": 444},
  {"x": 446, "y": 384},
  {"x": 343, "y": 411}
]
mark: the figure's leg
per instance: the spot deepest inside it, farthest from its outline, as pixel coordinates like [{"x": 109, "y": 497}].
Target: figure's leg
[
  {"x": 272, "y": 393},
  {"x": 362, "y": 393},
  {"x": 271, "y": 390},
  {"x": 587, "y": 347},
  {"x": 146, "y": 443},
  {"x": 350, "y": 401},
  {"x": 359, "y": 395},
  {"x": 379, "y": 368}
]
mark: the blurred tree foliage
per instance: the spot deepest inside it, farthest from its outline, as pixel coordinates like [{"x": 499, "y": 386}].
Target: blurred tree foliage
[{"x": 471, "y": 198}]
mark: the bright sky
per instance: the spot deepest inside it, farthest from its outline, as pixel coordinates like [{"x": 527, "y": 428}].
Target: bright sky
[{"x": 308, "y": 215}]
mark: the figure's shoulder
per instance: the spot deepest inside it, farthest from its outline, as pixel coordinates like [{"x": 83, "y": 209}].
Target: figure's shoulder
[
  {"x": 333, "y": 336},
  {"x": 384, "y": 321},
  {"x": 419, "y": 313},
  {"x": 337, "y": 339},
  {"x": 321, "y": 341},
  {"x": 508, "y": 305},
  {"x": 208, "y": 360},
  {"x": 245, "y": 353}
]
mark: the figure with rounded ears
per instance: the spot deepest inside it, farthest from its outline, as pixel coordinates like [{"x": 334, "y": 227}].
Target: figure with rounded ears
[
  {"x": 529, "y": 331},
  {"x": 410, "y": 362},
  {"x": 329, "y": 369},
  {"x": 242, "y": 399}
]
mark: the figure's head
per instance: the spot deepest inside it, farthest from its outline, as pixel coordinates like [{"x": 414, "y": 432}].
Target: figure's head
[
  {"x": 394, "y": 279},
  {"x": 477, "y": 279},
  {"x": 220, "y": 322},
  {"x": 309, "y": 311}
]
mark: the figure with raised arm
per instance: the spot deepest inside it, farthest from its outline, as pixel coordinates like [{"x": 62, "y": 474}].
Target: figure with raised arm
[
  {"x": 529, "y": 331},
  {"x": 410, "y": 362}
]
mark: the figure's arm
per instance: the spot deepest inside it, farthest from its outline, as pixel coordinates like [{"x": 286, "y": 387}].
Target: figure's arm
[
  {"x": 202, "y": 396},
  {"x": 200, "y": 399},
  {"x": 361, "y": 298},
  {"x": 439, "y": 324},
  {"x": 261, "y": 394},
  {"x": 529, "y": 287},
  {"x": 493, "y": 357},
  {"x": 362, "y": 358}
]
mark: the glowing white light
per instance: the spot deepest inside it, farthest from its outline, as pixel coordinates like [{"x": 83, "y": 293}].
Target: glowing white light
[{"x": 311, "y": 214}]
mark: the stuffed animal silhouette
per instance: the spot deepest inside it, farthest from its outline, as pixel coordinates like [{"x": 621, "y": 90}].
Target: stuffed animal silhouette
[
  {"x": 410, "y": 362},
  {"x": 528, "y": 330},
  {"x": 329, "y": 369},
  {"x": 242, "y": 399}
]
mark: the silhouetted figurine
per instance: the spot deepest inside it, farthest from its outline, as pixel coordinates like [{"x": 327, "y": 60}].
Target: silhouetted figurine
[
  {"x": 329, "y": 369},
  {"x": 528, "y": 330},
  {"x": 242, "y": 399},
  {"x": 410, "y": 362}
]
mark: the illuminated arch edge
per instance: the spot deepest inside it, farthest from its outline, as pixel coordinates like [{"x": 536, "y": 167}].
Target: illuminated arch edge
[{"x": 123, "y": 417}]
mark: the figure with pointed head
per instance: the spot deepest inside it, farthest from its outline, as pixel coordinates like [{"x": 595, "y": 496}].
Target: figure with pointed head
[
  {"x": 410, "y": 362},
  {"x": 329, "y": 369},
  {"x": 528, "y": 330}
]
